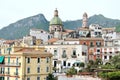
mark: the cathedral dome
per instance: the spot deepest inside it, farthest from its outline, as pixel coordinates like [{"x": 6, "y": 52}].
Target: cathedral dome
[{"x": 56, "y": 20}]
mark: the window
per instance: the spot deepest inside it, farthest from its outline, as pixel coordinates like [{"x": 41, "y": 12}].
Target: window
[
  {"x": 84, "y": 43},
  {"x": 2, "y": 69},
  {"x": 41, "y": 31},
  {"x": 68, "y": 64},
  {"x": 55, "y": 63},
  {"x": 74, "y": 52},
  {"x": 105, "y": 57},
  {"x": 64, "y": 54},
  {"x": 77, "y": 64},
  {"x": 47, "y": 59},
  {"x": 47, "y": 69},
  {"x": 38, "y": 69},
  {"x": 28, "y": 70},
  {"x": 7, "y": 78},
  {"x": 55, "y": 52},
  {"x": 8, "y": 70},
  {"x": 8, "y": 59},
  {"x": 17, "y": 60},
  {"x": 55, "y": 29},
  {"x": 28, "y": 60},
  {"x": 48, "y": 36},
  {"x": 98, "y": 43},
  {"x": 110, "y": 57},
  {"x": 64, "y": 63},
  {"x": 16, "y": 71},
  {"x": 0, "y": 51},
  {"x": 16, "y": 78},
  {"x": 98, "y": 50},
  {"x": 91, "y": 44},
  {"x": 28, "y": 78},
  {"x": 38, "y": 60},
  {"x": 38, "y": 78},
  {"x": 84, "y": 53},
  {"x": 95, "y": 33},
  {"x": 84, "y": 32},
  {"x": 110, "y": 52}
]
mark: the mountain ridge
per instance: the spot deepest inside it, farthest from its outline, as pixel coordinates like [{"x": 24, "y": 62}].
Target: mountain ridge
[{"x": 21, "y": 27}]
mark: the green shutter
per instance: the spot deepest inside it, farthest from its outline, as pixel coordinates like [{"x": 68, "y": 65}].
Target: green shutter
[
  {"x": 1, "y": 59},
  {"x": 8, "y": 59}
]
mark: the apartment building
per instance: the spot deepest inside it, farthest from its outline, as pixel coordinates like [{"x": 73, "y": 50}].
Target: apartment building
[{"x": 24, "y": 63}]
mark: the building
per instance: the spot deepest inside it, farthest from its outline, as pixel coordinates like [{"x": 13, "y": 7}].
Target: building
[
  {"x": 56, "y": 26},
  {"x": 24, "y": 63},
  {"x": 40, "y": 34},
  {"x": 84, "y": 21},
  {"x": 67, "y": 55},
  {"x": 108, "y": 35},
  {"x": 109, "y": 52},
  {"x": 95, "y": 30},
  {"x": 94, "y": 47}
]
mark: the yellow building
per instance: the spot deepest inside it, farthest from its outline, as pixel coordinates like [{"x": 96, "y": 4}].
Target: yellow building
[{"x": 24, "y": 63}]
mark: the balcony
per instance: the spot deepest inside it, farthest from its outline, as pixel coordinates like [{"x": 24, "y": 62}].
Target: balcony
[
  {"x": 91, "y": 53},
  {"x": 64, "y": 56},
  {"x": 91, "y": 45},
  {"x": 74, "y": 56},
  {"x": 7, "y": 72},
  {"x": 1, "y": 72},
  {"x": 15, "y": 73},
  {"x": 13, "y": 64}
]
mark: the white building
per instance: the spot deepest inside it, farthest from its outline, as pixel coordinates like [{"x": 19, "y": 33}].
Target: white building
[
  {"x": 108, "y": 35},
  {"x": 40, "y": 34},
  {"x": 96, "y": 30},
  {"x": 29, "y": 40},
  {"x": 66, "y": 56},
  {"x": 116, "y": 42}
]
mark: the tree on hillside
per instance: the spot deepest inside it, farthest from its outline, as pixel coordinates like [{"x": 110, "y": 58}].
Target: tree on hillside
[{"x": 118, "y": 28}]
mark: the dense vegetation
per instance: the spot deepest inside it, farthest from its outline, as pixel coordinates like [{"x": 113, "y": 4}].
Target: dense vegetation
[
  {"x": 111, "y": 70},
  {"x": 118, "y": 28}
]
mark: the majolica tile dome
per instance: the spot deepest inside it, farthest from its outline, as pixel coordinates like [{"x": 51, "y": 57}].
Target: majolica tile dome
[{"x": 56, "y": 20}]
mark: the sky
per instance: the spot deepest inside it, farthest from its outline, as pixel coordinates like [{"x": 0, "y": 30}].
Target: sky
[{"x": 14, "y": 10}]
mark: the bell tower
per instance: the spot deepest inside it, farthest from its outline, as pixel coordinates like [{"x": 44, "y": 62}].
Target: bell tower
[{"x": 84, "y": 21}]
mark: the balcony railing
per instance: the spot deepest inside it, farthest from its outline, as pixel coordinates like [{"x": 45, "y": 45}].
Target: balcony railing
[
  {"x": 64, "y": 56},
  {"x": 73, "y": 56},
  {"x": 91, "y": 45},
  {"x": 13, "y": 64},
  {"x": 15, "y": 73},
  {"x": 1, "y": 72},
  {"x": 7, "y": 72}
]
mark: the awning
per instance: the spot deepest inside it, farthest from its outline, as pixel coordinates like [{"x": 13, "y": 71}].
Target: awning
[
  {"x": 1, "y": 59},
  {"x": 76, "y": 62}
]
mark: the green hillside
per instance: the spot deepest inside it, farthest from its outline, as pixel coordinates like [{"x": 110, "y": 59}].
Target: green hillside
[{"x": 21, "y": 28}]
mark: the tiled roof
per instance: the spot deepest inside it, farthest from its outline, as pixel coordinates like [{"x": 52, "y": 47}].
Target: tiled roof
[
  {"x": 68, "y": 30},
  {"x": 87, "y": 29},
  {"x": 108, "y": 28},
  {"x": 52, "y": 40},
  {"x": 9, "y": 41},
  {"x": 71, "y": 39},
  {"x": 91, "y": 38}
]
